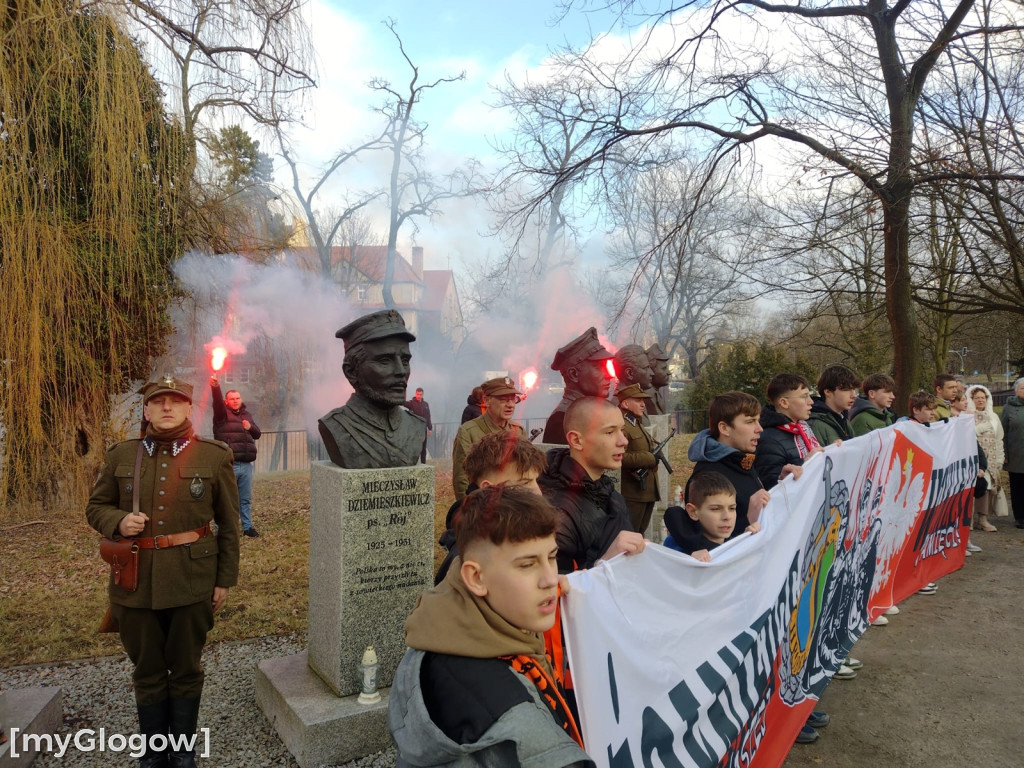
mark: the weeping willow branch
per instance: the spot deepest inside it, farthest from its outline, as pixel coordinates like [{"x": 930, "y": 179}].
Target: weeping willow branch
[{"x": 91, "y": 174}]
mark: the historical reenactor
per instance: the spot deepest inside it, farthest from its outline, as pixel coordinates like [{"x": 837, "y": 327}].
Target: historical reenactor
[
  {"x": 639, "y": 464},
  {"x": 583, "y": 364},
  {"x": 501, "y": 397},
  {"x": 162, "y": 492}
]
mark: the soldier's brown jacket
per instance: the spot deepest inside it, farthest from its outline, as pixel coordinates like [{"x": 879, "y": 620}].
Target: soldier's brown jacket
[
  {"x": 638, "y": 455},
  {"x": 178, "y": 493}
]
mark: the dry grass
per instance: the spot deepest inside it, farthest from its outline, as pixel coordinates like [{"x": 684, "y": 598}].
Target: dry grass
[{"x": 53, "y": 583}]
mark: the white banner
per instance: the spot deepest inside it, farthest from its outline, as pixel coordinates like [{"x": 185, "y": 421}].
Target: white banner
[{"x": 681, "y": 663}]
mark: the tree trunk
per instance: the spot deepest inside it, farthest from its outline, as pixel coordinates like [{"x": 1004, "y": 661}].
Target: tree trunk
[{"x": 899, "y": 300}]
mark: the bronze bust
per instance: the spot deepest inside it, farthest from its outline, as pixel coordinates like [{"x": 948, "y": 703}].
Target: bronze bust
[
  {"x": 372, "y": 430},
  {"x": 659, "y": 379},
  {"x": 583, "y": 365}
]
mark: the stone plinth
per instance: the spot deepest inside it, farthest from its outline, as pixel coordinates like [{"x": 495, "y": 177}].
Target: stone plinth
[
  {"x": 27, "y": 710},
  {"x": 318, "y": 727},
  {"x": 659, "y": 430},
  {"x": 371, "y": 551}
]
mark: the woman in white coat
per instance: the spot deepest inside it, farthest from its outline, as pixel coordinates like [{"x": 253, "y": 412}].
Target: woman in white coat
[{"x": 990, "y": 437}]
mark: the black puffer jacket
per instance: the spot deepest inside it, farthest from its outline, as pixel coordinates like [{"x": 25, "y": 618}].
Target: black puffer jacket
[
  {"x": 775, "y": 447},
  {"x": 227, "y": 427},
  {"x": 593, "y": 512},
  {"x": 472, "y": 410}
]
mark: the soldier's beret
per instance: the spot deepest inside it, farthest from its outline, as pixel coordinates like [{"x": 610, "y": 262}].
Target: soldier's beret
[
  {"x": 165, "y": 385},
  {"x": 633, "y": 390},
  {"x": 376, "y": 325},
  {"x": 586, "y": 346},
  {"x": 499, "y": 387}
]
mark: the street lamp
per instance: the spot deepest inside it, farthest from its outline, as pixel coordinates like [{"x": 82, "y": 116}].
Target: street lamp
[{"x": 961, "y": 353}]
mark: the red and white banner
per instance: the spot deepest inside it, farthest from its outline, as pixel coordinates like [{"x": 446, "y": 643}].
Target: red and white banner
[{"x": 681, "y": 663}]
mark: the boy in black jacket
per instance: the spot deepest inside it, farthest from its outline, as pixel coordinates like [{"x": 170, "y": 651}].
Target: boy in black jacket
[{"x": 787, "y": 438}]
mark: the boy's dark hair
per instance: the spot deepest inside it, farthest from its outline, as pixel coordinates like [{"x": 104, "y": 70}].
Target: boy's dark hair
[
  {"x": 922, "y": 399},
  {"x": 497, "y": 450},
  {"x": 837, "y": 377},
  {"x": 500, "y": 515},
  {"x": 940, "y": 380},
  {"x": 705, "y": 484},
  {"x": 877, "y": 381},
  {"x": 728, "y": 406},
  {"x": 782, "y": 383}
]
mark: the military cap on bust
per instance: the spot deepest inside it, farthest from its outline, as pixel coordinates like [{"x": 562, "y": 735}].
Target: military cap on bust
[
  {"x": 499, "y": 387},
  {"x": 377, "y": 325},
  {"x": 655, "y": 352},
  {"x": 165, "y": 385},
  {"x": 586, "y": 346},
  {"x": 633, "y": 390}
]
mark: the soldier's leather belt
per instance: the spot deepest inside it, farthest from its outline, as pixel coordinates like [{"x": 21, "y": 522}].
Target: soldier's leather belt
[{"x": 173, "y": 539}]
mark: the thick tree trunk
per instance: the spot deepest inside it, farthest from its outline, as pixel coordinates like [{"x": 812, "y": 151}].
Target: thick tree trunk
[{"x": 899, "y": 300}]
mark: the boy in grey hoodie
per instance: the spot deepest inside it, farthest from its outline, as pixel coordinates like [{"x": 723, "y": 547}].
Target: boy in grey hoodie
[{"x": 475, "y": 687}]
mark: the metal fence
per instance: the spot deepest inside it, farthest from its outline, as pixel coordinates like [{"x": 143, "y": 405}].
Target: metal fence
[{"x": 297, "y": 449}]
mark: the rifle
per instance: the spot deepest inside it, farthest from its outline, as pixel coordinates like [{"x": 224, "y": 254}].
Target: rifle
[{"x": 660, "y": 456}]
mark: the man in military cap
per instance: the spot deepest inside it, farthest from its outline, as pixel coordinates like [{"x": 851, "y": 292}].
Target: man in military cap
[
  {"x": 501, "y": 397},
  {"x": 163, "y": 491},
  {"x": 372, "y": 430},
  {"x": 583, "y": 365},
  {"x": 659, "y": 380},
  {"x": 639, "y": 464}
]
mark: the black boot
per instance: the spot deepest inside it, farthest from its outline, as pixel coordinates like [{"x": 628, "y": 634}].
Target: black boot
[
  {"x": 184, "y": 720},
  {"x": 153, "y": 719}
]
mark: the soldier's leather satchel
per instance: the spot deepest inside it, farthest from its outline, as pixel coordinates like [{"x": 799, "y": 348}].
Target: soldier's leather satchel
[{"x": 123, "y": 557}]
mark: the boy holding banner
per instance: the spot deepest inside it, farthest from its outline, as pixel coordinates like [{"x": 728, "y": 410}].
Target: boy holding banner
[
  {"x": 475, "y": 687},
  {"x": 787, "y": 438}
]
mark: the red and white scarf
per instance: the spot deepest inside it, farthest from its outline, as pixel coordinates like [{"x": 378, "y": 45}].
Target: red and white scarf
[{"x": 802, "y": 436}]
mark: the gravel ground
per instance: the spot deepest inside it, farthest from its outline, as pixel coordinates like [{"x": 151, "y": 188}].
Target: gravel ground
[{"x": 97, "y": 693}]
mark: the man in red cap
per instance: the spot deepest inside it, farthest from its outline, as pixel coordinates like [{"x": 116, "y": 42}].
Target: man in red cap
[{"x": 583, "y": 364}]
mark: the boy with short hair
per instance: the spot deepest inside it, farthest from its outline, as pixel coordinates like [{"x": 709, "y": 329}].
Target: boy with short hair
[
  {"x": 727, "y": 447},
  {"x": 924, "y": 407},
  {"x": 873, "y": 410},
  {"x": 594, "y": 522},
  {"x": 787, "y": 438},
  {"x": 837, "y": 389},
  {"x": 475, "y": 687},
  {"x": 500, "y": 458},
  {"x": 946, "y": 386},
  {"x": 712, "y": 506}
]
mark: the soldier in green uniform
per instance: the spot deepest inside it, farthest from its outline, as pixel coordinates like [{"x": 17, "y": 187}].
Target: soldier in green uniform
[
  {"x": 639, "y": 464},
  {"x": 164, "y": 490},
  {"x": 501, "y": 397}
]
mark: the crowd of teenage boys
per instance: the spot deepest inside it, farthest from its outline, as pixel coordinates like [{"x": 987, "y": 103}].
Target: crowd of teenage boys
[{"x": 485, "y": 682}]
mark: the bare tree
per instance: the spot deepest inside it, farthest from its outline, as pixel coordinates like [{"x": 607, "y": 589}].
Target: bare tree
[
  {"x": 245, "y": 55},
  {"x": 844, "y": 94},
  {"x": 413, "y": 191},
  {"x": 550, "y": 135},
  {"x": 684, "y": 244},
  {"x": 325, "y": 223}
]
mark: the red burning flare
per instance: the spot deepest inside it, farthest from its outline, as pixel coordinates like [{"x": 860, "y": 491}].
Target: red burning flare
[
  {"x": 218, "y": 356},
  {"x": 529, "y": 378},
  {"x": 610, "y": 367}
]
